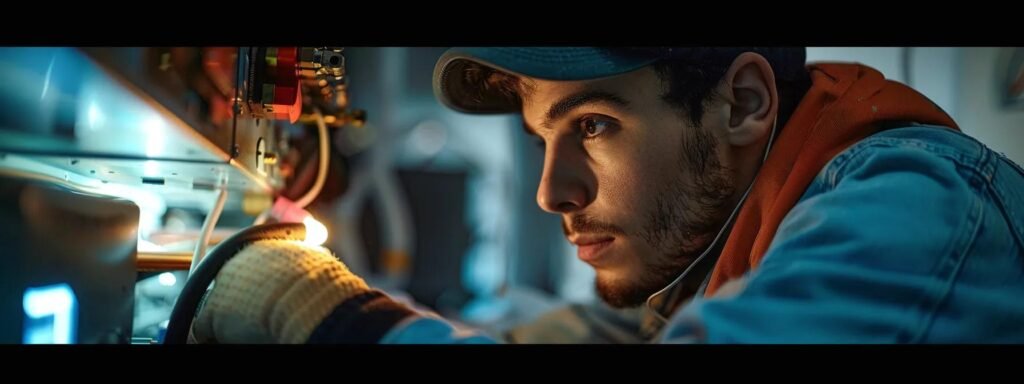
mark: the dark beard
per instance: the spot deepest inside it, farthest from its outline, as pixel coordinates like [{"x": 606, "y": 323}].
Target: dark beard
[{"x": 687, "y": 214}]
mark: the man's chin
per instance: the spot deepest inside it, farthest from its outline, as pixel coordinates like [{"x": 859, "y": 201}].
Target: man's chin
[{"x": 620, "y": 294}]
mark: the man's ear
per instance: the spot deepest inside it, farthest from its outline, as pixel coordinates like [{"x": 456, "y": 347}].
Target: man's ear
[{"x": 749, "y": 93}]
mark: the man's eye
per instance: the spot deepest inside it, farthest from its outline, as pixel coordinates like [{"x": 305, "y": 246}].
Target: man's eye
[{"x": 592, "y": 127}]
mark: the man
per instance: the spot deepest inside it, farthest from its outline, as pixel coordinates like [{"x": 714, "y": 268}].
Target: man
[{"x": 737, "y": 194}]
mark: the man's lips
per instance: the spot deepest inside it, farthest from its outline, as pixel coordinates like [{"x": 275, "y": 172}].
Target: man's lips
[{"x": 590, "y": 246}]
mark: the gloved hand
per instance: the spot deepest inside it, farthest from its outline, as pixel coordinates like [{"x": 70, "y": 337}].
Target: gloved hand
[{"x": 274, "y": 291}]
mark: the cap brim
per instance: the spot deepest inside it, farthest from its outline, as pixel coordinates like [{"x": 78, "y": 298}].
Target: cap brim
[{"x": 454, "y": 90}]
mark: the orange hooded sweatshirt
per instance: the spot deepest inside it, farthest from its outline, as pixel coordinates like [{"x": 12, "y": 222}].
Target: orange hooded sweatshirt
[{"x": 845, "y": 104}]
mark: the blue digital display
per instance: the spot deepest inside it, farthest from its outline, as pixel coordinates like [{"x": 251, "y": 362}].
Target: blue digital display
[{"x": 51, "y": 315}]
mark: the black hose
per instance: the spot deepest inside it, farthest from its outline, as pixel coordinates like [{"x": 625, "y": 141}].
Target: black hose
[{"x": 188, "y": 301}]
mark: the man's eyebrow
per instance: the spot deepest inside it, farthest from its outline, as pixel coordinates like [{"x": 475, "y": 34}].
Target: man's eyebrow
[{"x": 571, "y": 102}]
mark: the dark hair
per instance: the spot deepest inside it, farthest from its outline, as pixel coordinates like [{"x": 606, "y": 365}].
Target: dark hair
[
  {"x": 693, "y": 73},
  {"x": 487, "y": 79}
]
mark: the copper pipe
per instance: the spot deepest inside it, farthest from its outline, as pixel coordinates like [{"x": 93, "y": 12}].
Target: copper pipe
[{"x": 163, "y": 261}]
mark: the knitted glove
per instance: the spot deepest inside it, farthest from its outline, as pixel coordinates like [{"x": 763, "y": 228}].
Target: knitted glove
[{"x": 274, "y": 291}]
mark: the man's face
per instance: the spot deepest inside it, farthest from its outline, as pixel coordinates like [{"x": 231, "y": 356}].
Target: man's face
[{"x": 641, "y": 190}]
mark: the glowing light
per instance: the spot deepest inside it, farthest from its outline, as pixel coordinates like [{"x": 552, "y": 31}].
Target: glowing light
[
  {"x": 167, "y": 279},
  {"x": 153, "y": 128},
  {"x": 94, "y": 115},
  {"x": 316, "y": 233}
]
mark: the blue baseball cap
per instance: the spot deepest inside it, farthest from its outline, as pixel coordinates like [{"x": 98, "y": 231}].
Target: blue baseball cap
[
  {"x": 458, "y": 92},
  {"x": 468, "y": 94}
]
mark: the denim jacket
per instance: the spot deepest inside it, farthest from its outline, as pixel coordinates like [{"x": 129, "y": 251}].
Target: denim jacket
[{"x": 912, "y": 235}]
